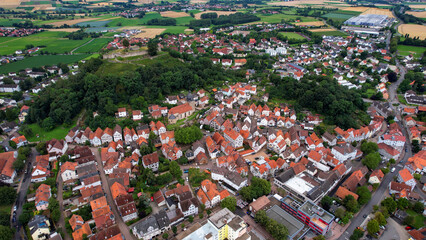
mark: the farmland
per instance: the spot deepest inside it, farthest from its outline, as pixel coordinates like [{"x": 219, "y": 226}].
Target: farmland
[
  {"x": 413, "y": 30},
  {"x": 292, "y": 35},
  {"x": 276, "y": 18},
  {"x": 39, "y": 61},
  {"x": 338, "y": 16},
  {"x": 407, "y": 50},
  {"x": 53, "y": 42},
  {"x": 94, "y": 46}
]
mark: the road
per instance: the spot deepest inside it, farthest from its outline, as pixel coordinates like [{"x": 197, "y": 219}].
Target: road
[
  {"x": 124, "y": 229},
  {"x": 22, "y": 192},
  {"x": 61, "y": 206}
]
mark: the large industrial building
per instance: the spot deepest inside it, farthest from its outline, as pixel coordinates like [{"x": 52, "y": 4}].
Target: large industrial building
[{"x": 369, "y": 20}]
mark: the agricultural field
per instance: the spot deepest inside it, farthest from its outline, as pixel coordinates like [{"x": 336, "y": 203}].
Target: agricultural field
[
  {"x": 330, "y": 33},
  {"x": 9, "y": 22},
  {"x": 149, "y": 32},
  {"x": 310, "y": 3},
  {"x": 407, "y": 50},
  {"x": 337, "y": 16},
  {"x": 322, "y": 30},
  {"x": 94, "y": 46},
  {"x": 71, "y": 22},
  {"x": 310, "y": 24},
  {"x": 183, "y": 20},
  {"x": 39, "y": 61},
  {"x": 292, "y": 35},
  {"x": 356, "y": 9},
  {"x": 172, "y": 14},
  {"x": 276, "y": 18},
  {"x": 417, "y": 14},
  {"x": 171, "y": 29},
  {"x": 413, "y": 30},
  {"x": 54, "y": 42},
  {"x": 379, "y": 11}
]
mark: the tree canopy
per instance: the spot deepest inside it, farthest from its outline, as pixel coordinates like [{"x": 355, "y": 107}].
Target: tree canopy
[
  {"x": 278, "y": 231},
  {"x": 188, "y": 135},
  {"x": 230, "y": 203},
  {"x": 256, "y": 189},
  {"x": 372, "y": 160},
  {"x": 373, "y": 227}
]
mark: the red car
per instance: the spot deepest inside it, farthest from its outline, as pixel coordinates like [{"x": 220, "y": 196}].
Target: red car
[{"x": 408, "y": 228}]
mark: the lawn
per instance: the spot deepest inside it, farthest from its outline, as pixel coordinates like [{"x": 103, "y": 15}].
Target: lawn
[
  {"x": 419, "y": 219},
  {"x": 53, "y": 42},
  {"x": 405, "y": 50},
  {"x": 331, "y": 33},
  {"x": 292, "y": 35},
  {"x": 183, "y": 20},
  {"x": 39, "y": 61},
  {"x": 94, "y": 46},
  {"x": 6, "y": 208},
  {"x": 276, "y": 18},
  {"x": 58, "y": 133},
  {"x": 109, "y": 67}
]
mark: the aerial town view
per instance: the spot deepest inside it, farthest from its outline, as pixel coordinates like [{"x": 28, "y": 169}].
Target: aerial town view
[{"x": 212, "y": 119}]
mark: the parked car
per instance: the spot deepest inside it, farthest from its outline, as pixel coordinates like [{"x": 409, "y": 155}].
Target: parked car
[
  {"x": 408, "y": 228},
  {"x": 393, "y": 170}
]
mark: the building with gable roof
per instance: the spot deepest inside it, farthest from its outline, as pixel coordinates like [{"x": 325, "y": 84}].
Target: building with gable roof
[{"x": 42, "y": 197}]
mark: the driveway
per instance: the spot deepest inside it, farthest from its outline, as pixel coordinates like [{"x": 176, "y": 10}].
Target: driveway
[
  {"x": 124, "y": 229},
  {"x": 394, "y": 231}
]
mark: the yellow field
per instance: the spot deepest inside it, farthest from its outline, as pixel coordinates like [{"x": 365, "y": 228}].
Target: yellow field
[
  {"x": 418, "y": 6},
  {"x": 378, "y": 11},
  {"x": 219, "y": 13},
  {"x": 322, "y": 30},
  {"x": 62, "y": 29},
  {"x": 314, "y": 24},
  {"x": 356, "y": 9},
  {"x": 172, "y": 14},
  {"x": 149, "y": 33},
  {"x": 417, "y": 14},
  {"x": 414, "y": 30},
  {"x": 10, "y": 3},
  {"x": 198, "y": 1},
  {"x": 72, "y": 22}
]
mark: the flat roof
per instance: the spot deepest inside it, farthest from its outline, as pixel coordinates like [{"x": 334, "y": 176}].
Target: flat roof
[
  {"x": 201, "y": 232},
  {"x": 221, "y": 218},
  {"x": 314, "y": 212},
  {"x": 282, "y": 217},
  {"x": 299, "y": 185}
]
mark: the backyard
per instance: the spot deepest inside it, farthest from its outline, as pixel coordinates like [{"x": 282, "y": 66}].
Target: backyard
[{"x": 58, "y": 133}]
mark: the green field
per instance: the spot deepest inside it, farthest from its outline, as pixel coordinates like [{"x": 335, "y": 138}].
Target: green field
[
  {"x": 37, "y": 2},
  {"x": 94, "y": 46},
  {"x": 183, "y": 20},
  {"x": 39, "y": 61},
  {"x": 339, "y": 16},
  {"x": 405, "y": 50},
  {"x": 292, "y": 35},
  {"x": 133, "y": 21},
  {"x": 330, "y": 33},
  {"x": 57, "y": 133},
  {"x": 276, "y": 18},
  {"x": 53, "y": 42},
  {"x": 9, "y": 22}
]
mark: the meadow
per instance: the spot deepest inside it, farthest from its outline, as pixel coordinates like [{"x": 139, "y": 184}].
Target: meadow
[
  {"x": 39, "y": 61},
  {"x": 94, "y": 46},
  {"x": 292, "y": 35},
  {"x": 58, "y": 133},
  {"x": 405, "y": 50},
  {"x": 339, "y": 16},
  {"x": 9, "y": 22},
  {"x": 53, "y": 42}
]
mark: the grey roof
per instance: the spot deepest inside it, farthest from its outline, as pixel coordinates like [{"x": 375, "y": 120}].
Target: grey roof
[
  {"x": 38, "y": 221},
  {"x": 162, "y": 219},
  {"x": 278, "y": 214},
  {"x": 285, "y": 176},
  {"x": 143, "y": 226}
]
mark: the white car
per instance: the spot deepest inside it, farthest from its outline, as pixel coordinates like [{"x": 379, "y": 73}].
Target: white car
[{"x": 393, "y": 170}]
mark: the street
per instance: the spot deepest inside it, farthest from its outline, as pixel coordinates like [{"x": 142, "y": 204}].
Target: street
[
  {"x": 22, "y": 192},
  {"x": 124, "y": 229}
]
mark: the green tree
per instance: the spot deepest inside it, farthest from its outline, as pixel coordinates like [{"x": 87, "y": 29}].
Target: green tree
[
  {"x": 188, "y": 135},
  {"x": 369, "y": 147},
  {"x": 191, "y": 219},
  {"x": 24, "y": 218},
  {"x": 7, "y": 195},
  {"x": 364, "y": 195},
  {"x": 327, "y": 202},
  {"x": 350, "y": 204},
  {"x": 175, "y": 170},
  {"x": 152, "y": 48},
  {"x": 357, "y": 234},
  {"x": 380, "y": 218},
  {"x": 340, "y": 212},
  {"x": 319, "y": 237},
  {"x": 12, "y": 144},
  {"x": 373, "y": 227},
  {"x": 256, "y": 189},
  {"x": 372, "y": 160},
  {"x": 48, "y": 124},
  {"x": 390, "y": 204},
  {"x": 126, "y": 43},
  {"x": 418, "y": 207},
  {"x": 55, "y": 215},
  {"x": 174, "y": 229},
  {"x": 409, "y": 220},
  {"x": 6, "y": 233},
  {"x": 403, "y": 203},
  {"x": 165, "y": 236},
  {"x": 230, "y": 203},
  {"x": 4, "y": 219}
]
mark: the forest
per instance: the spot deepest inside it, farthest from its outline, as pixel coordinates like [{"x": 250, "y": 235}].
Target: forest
[
  {"x": 93, "y": 91},
  {"x": 237, "y": 18},
  {"x": 325, "y": 96}
]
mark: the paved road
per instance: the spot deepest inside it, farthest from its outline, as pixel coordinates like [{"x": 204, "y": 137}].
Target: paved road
[
  {"x": 124, "y": 229},
  {"x": 22, "y": 192},
  {"x": 61, "y": 206}
]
